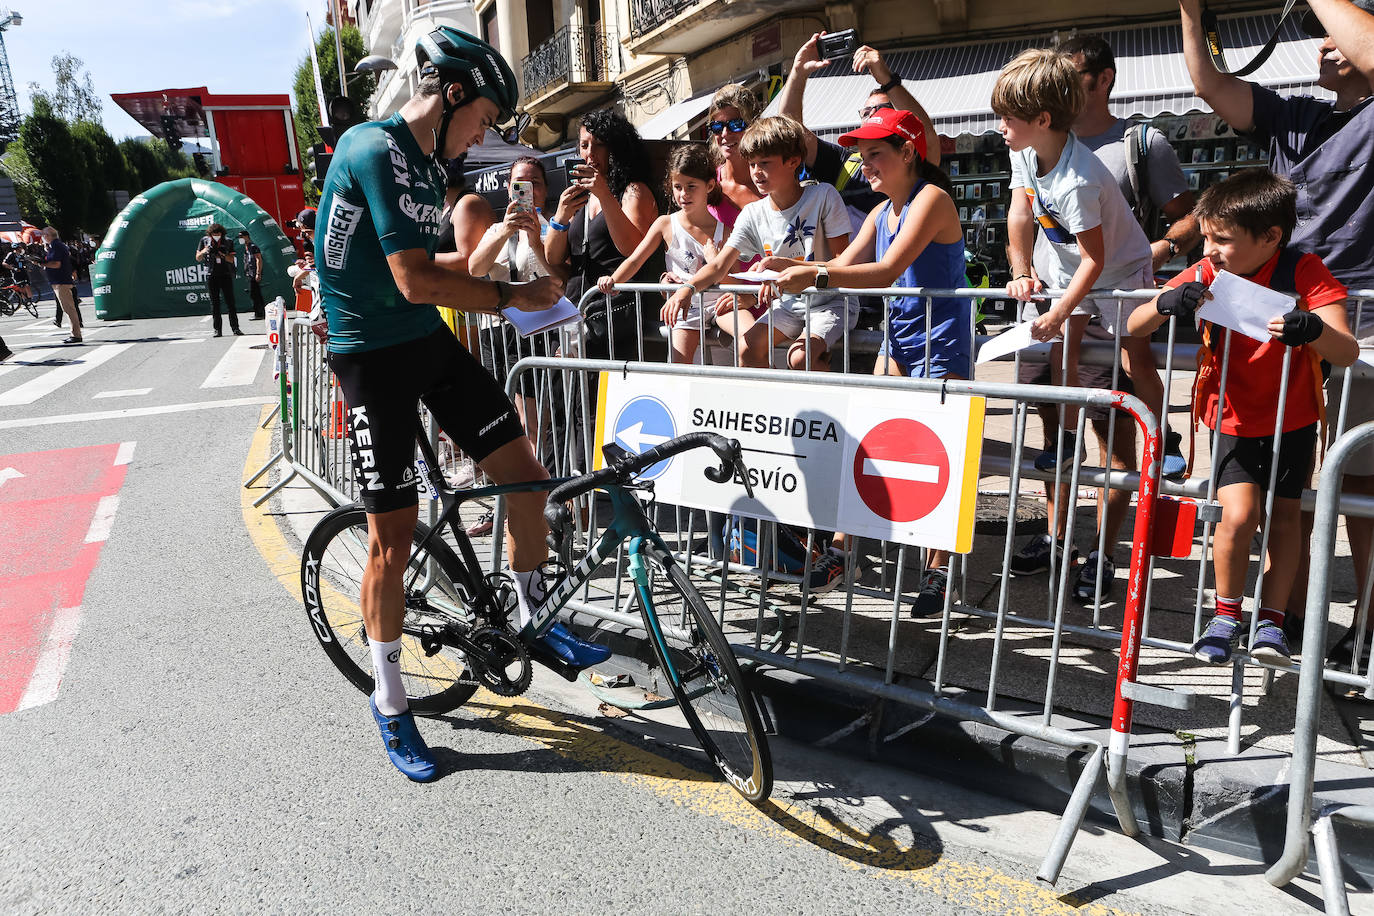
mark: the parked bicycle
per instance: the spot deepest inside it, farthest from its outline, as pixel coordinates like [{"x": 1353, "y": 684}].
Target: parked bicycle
[
  {"x": 456, "y": 636},
  {"x": 14, "y": 298}
]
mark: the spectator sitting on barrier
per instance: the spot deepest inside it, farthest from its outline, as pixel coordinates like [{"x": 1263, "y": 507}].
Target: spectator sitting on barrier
[
  {"x": 1323, "y": 146},
  {"x": 1247, "y": 222},
  {"x": 691, "y": 237},
  {"x": 1093, "y": 239},
  {"x": 916, "y": 236},
  {"x": 601, "y": 218},
  {"x": 793, "y": 225}
]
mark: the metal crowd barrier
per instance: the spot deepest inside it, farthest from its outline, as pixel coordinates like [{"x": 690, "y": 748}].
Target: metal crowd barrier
[
  {"x": 1303, "y": 771},
  {"x": 560, "y": 395}
]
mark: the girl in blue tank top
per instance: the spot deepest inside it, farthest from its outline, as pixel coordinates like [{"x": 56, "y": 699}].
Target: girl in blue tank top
[{"x": 919, "y": 243}]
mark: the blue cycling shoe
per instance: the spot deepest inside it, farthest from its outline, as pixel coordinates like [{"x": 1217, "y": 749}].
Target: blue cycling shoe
[
  {"x": 404, "y": 745},
  {"x": 571, "y": 648}
]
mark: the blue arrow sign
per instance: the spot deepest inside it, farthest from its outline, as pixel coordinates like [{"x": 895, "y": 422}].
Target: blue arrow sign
[{"x": 643, "y": 423}]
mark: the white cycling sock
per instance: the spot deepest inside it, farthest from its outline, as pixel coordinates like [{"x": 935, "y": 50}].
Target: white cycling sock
[
  {"x": 386, "y": 669},
  {"x": 525, "y": 604}
]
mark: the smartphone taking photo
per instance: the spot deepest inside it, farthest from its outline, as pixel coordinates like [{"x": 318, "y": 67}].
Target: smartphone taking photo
[{"x": 522, "y": 192}]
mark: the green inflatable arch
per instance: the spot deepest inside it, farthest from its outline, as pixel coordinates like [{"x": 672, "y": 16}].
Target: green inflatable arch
[{"x": 146, "y": 266}]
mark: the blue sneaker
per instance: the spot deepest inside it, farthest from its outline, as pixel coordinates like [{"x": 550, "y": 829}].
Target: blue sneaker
[
  {"x": 1270, "y": 646},
  {"x": 404, "y": 745},
  {"x": 1218, "y": 641},
  {"x": 573, "y": 649},
  {"x": 1175, "y": 465}
]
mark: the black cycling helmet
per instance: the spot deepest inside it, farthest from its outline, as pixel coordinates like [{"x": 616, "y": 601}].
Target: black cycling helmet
[{"x": 473, "y": 64}]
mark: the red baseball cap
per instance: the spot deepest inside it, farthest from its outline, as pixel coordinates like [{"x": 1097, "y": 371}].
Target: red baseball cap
[{"x": 888, "y": 122}]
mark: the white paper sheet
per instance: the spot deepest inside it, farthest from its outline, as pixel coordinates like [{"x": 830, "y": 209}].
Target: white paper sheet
[
  {"x": 527, "y": 323},
  {"x": 1243, "y": 306},
  {"x": 758, "y": 276},
  {"x": 1017, "y": 337}
]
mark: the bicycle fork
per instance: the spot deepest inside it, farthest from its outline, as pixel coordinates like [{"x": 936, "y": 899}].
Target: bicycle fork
[{"x": 639, "y": 574}]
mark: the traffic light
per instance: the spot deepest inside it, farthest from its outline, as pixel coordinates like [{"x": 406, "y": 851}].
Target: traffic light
[
  {"x": 340, "y": 114},
  {"x": 319, "y": 164}
]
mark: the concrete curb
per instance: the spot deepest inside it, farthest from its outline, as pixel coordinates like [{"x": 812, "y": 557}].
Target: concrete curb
[{"x": 1181, "y": 792}]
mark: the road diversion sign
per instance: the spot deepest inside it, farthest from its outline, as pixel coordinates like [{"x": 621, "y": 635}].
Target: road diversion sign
[
  {"x": 897, "y": 465},
  {"x": 642, "y": 423}
]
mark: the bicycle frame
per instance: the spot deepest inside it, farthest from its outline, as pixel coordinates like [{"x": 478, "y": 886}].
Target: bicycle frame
[{"x": 627, "y": 523}]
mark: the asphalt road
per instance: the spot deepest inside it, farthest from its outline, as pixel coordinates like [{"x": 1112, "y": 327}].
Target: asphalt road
[{"x": 173, "y": 740}]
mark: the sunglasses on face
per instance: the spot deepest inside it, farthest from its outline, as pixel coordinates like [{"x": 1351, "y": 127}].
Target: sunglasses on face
[
  {"x": 734, "y": 125},
  {"x": 869, "y": 110}
]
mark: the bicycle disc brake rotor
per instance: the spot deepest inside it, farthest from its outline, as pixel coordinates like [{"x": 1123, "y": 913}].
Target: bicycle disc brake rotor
[{"x": 505, "y": 670}]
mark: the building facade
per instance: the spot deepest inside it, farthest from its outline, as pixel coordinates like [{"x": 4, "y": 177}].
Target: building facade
[{"x": 659, "y": 62}]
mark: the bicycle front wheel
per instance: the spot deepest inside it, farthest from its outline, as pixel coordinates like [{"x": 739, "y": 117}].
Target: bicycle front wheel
[
  {"x": 701, "y": 671},
  {"x": 32, "y": 306},
  {"x": 331, "y": 583}
]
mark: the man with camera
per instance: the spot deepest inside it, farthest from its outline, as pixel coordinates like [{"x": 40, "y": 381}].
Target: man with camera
[{"x": 219, "y": 256}]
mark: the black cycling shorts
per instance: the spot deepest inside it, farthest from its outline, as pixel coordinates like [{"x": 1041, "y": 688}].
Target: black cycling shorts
[
  {"x": 1248, "y": 459},
  {"x": 382, "y": 388}
]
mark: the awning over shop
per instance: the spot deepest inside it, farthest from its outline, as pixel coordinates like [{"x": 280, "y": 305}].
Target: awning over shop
[
  {"x": 675, "y": 116},
  {"x": 954, "y": 82}
]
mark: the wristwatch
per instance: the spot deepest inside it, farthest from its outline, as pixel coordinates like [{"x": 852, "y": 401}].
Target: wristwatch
[
  {"x": 822, "y": 278},
  {"x": 890, "y": 85},
  {"x": 1173, "y": 246}
]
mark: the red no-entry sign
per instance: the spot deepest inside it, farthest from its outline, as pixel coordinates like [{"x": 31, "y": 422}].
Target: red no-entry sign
[{"x": 901, "y": 470}]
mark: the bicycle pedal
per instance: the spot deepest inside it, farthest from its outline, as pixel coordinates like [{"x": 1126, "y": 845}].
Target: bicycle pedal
[{"x": 431, "y": 639}]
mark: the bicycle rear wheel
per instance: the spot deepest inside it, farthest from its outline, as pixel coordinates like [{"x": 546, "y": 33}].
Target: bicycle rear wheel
[
  {"x": 701, "y": 671},
  {"x": 331, "y": 583},
  {"x": 32, "y": 306}
]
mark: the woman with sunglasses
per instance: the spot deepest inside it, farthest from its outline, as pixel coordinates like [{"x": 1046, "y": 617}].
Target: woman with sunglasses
[{"x": 733, "y": 109}]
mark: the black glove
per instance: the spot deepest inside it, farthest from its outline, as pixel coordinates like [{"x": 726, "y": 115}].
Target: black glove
[
  {"x": 1182, "y": 300},
  {"x": 1300, "y": 327}
]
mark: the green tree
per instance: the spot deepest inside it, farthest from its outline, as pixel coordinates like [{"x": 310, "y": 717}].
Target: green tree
[
  {"x": 107, "y": 170},
  {"x": 75, "y": 98},
  {"x": 57, "y": 166},
  {"x": 360, "y": 88},
  {"x": 145, "y": 169}
]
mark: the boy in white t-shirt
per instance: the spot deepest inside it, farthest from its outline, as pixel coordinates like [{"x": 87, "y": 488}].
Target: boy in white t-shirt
[
  {"x": 792, "y": 225},
  {"x": 1059, "y": 185}
]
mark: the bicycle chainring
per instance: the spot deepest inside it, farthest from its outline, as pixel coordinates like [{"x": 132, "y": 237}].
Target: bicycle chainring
[{"x": 502, "y": 652}]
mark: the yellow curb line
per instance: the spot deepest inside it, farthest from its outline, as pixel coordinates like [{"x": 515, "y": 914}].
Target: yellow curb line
[{"x": 978, "y": 888}]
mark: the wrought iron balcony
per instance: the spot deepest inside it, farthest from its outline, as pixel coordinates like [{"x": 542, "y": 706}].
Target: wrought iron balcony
[
  {"x": 647, "y": 15},
  {"x": 574, "y": 55}
]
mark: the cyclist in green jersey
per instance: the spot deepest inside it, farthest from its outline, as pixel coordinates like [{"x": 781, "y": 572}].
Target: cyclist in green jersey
[{"x": 380, "y": 280}]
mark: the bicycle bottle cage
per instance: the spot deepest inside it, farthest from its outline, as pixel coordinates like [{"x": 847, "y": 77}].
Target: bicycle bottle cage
[{"x": 1218, "y": 52}]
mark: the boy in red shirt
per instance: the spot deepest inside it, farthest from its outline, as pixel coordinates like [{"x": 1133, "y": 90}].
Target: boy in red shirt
[{"x": 1246, "y": 222}]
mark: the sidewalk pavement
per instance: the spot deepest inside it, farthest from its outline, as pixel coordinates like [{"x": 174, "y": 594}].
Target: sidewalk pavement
[{"x": 1183, "y": 783}]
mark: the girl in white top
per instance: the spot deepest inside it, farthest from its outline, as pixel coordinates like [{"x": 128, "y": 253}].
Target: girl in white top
[{"x": 692, "y": 237}]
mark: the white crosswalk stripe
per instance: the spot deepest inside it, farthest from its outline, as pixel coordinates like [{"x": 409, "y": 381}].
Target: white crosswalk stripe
[
  {"x": 40, "y": 368},
  {"x": 238, "y": 366},
  {"x": 84, "y": 361}
]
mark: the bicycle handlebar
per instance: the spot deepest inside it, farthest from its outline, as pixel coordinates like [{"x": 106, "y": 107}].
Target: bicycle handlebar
[{"x": 557, "y": 513}]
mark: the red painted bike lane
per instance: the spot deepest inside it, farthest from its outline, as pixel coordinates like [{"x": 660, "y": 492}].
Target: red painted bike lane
[{"x": 58, "y": 508}]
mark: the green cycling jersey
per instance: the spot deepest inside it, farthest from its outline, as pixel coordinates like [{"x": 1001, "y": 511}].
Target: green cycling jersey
[{"x": 382, "y": 195}]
